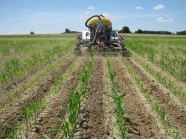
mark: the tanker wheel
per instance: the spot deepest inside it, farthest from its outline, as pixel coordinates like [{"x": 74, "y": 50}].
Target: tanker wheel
[{"x": 77, "y": 51}]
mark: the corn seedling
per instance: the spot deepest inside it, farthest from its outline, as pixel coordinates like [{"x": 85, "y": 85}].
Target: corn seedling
[
  {"x": 72, "y": 109},
  {"x": 157, "y": 108},
  {"x": 118, "y": 101}
]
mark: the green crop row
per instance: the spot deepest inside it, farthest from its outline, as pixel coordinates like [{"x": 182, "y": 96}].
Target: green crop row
[
  {"x": 30, "y": 111},
  {"x": 161, "y": 53},
  {"x": 164, "y": 80},
  {"x": 68, "y": 125},
  {"x": 155, "y": 105},
  {"x": 22, "y": 46},
  {"x": 118, "y": 110},
  {"x": 14, "y": 69},
  {"x": 16, "y": 93}
]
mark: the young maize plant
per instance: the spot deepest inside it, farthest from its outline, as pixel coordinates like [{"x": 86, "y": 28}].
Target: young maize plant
[
  {"x": 155, "y": 105},
  {"x": 31, "y": 111},
  {"x": 119, "y": 111},
  {"x": 16, "y": 93},
  {"x": 164, "y": 80},
  {"x": 15, "y": 69},
  {"x": 72, "y": 109}
]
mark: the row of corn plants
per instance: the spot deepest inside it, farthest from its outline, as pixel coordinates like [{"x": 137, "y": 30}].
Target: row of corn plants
[
  {"x": 14, "y": 69},
  {"x": 24, "y": 48},
  {"x": 31, "y": 111},
  {"x": 164, "y": 80},
  {"x": 155, "y": 105},
  {"x": 158, "y": 52},
  {"x": 16, "y": 93},
  {"x": 118, "y": 98},
  {"x": 18, "y": 46},
  {"x": 72, "y": 109}
]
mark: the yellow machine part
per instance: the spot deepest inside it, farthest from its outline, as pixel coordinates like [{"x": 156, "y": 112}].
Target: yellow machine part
[{"x": 96, "y": 19}]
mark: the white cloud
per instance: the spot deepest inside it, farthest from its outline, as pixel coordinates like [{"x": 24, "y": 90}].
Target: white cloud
[
  {"x": 91, "y": 8},
  {"x": 158, "y": 7},
  {"x": 139, "y": 8},
  {"x": 162, "y": 20}
]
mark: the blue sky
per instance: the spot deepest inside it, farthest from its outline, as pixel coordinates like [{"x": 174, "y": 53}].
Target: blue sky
[{"x": 44, "y": 16}]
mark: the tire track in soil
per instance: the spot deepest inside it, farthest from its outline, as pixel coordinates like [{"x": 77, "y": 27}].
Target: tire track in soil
[
  {"x": 176, "y": 112},
  {"x": 50, "y": 116},
  {"x": 94, "y": 108},
  {"x": 14, "y": 112},
  {"x": 144, "y": 124}
]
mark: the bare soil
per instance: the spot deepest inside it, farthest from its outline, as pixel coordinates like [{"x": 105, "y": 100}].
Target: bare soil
[
  {"x": 14, "y": 113},
  {"x": 169, "y": 76},
  {"x": 97, "y": 121},
  {"x": 143, "y": 122},
  {"x": 7, "y": 92},
  {"x": 93, "y": 110},
  {"x": 49, "y": 118},
  {"x": 176, "y": 111}
]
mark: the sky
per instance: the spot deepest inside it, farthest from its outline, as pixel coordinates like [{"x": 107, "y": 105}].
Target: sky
[{"x": 54, "y": 16}]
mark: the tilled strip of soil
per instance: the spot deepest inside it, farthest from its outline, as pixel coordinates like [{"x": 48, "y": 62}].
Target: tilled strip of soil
[
  {"x": 50, "y": 116},
  {"x": 5, "y": 94},
  {"x": 93, "y": 110},
  {"x": 14, "y": 112},
  {"x": 176, "y": 112},
  {"x": 144, "y": 124},
  {"x": 173, "y": 79},
  {"x": 26, "y": 78}
]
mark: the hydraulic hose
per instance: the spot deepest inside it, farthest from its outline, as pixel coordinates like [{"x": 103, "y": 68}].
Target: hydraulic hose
[
  {"x": 90, "y": 19},
  {"x": 95, "y": 35},
  {"x": 117, "y": 45},
  {"x": 102, "y": 15}
]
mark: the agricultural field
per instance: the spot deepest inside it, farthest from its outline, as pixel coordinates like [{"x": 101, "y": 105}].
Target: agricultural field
[{"x": 48, "y": 92}]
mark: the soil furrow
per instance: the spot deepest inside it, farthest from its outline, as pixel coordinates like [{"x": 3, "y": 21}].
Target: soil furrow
[
  {"x": 142, "y": 122},
  {"x": 50, "y": 116},
  {"x": 176, "y": 111},
  {"x": 13, "y": 113},
  {"x": 93, "y": 110},
  {"x": 27, "y": 77},
  {"x": 7, "y": 93},
  {"x": 172, "y": 78}
]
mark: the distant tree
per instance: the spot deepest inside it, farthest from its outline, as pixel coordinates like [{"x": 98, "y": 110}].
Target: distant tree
[
  {"x": 32, "y": 33},
  {"x": 67, "y": 30},
  {"x": 181, "y": 33},
  {"x": 152, "y": 32},
  {"x": 125, "y": 29},
  {"x": 139, "y": 31}
]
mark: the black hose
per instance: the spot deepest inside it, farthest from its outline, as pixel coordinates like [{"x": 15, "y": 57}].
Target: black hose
[
  {"x": 102, "y": 15},
  {"x": 91, "y": 18}
]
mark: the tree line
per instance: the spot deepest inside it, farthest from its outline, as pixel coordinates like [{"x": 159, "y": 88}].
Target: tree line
[{"x": 126, "y": 29}]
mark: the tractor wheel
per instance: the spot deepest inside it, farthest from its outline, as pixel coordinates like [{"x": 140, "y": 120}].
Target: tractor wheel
[
  {"x": 124, "y": 53},
  {"x": 77, "y": 51}
]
